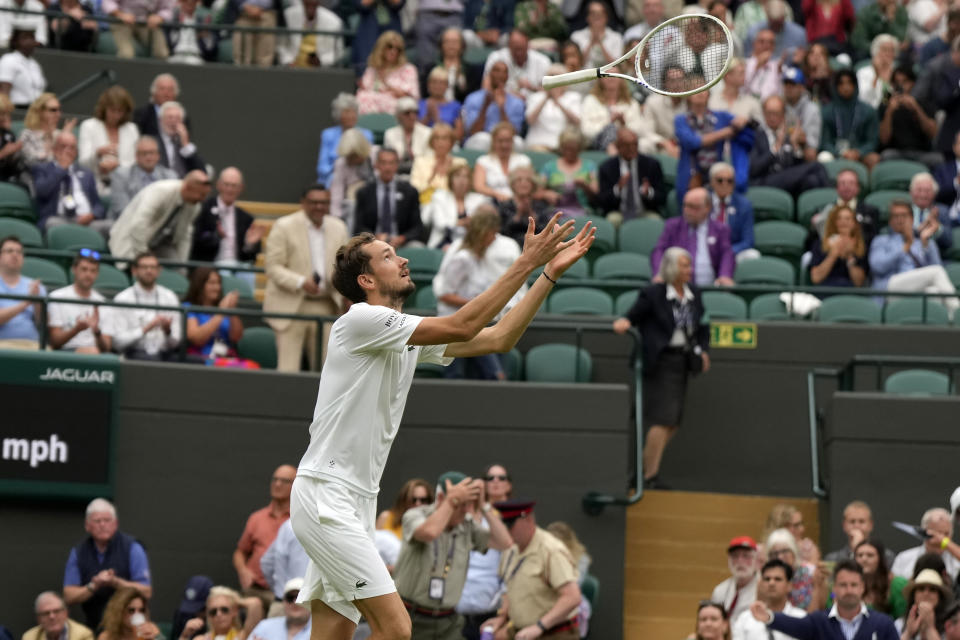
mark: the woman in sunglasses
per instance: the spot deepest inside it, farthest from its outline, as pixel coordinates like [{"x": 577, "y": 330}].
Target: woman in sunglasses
[
  {"x": 223, "y": 616},
  {"x": 712, "y": 622},
  {"x": 127, "y": 617},
  {"x": 414, "y": 493},
  {"x": 497, "y": 486}
]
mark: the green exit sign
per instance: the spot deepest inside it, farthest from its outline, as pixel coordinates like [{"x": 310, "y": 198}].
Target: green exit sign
[{"x": 733, "y": 335}]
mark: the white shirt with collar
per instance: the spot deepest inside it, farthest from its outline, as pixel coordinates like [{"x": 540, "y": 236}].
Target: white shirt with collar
[
  {"x": 532, "y": 70},
  {"x": 80, "y": 200},
  {"x": 850, "y": 627},
  {"x": 25, "y": 76},
  {"x": 679, "y": 338},
  {"x": 9, "y": 19},
  {"x": 395, "y": 139},
  {"x": 185, "y": 151},
  {"x": 703, "y": 273},
  {"x": 228, "y": 223},
  {"x": 749, "y": 628},
  {"x": 125, "y": 325}
]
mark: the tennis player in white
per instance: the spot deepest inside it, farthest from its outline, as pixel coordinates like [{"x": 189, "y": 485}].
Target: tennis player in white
[{"x": 373, "y": 351}]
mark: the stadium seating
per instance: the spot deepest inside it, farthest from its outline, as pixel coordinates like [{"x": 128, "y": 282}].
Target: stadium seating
[
  {"x": 668, "y": 165},
  {"x": 813, "y": 201},
  {"x": 174, "y": 281},
  {"x": 539, "y": 158},
  {"x": 558, "y": 363},
  {"x": 765, "y": 270},
  {"x": 640, "y": 235},
  {"x": 577, "y": 271},
  {"x": 911, "y": 311},
  {"x": 855, "y": 309},
  {"x": 260, "y": 345},
  {"x": 69, "y": 237},
  {"x": 953, "y": 270},
  {"x": 834, "y": 167},
  {"x": 623, "y": 303},
  {"x": 606, "y": 236},
  {"x": 580, "y": 301},
  {"x": 425, "y": 299},
  {"x": 424, "y": 263},
  {"x": 49, "y": 273},
  {"x": 778, "y": 238},
  {"x": 723, "y": 305},
  {"x": 110, "y": 280},
  {"x": 770, "y": 203},
  {"x": 672, "y": 207},
  {"x": 377, "y": 123},
  {"x": 882, "y": 199},
  {"x": 241, "y": 286},
  {"x": 769, "y": 307},
  {"x": 470, "y": 155},
  {"x": 512, "y": 364},
  {"x": 15, "y": 202},
  {"x": 894, "y": 175},
  {"x": 27, "y": 232},
  {"x": 953, "y": 253},
  {"x": 590, "y": 588},
  {"x": 622, "y": 265},
  {"x": 598, "y": 157},
  {"x": 918, "y": 382}
]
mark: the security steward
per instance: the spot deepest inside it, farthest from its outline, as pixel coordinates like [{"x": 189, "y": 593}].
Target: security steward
[
  {"x": 437, "y": 540},
  {"x": 542, "y": 596}
]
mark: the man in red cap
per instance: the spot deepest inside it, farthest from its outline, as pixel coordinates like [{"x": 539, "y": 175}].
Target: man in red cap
[
  {"x": 740, "y": 589},
  {"x": 542, "y": 596}
]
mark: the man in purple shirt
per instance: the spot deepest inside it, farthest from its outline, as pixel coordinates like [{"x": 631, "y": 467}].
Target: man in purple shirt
[{"x": 708, "y": 241}]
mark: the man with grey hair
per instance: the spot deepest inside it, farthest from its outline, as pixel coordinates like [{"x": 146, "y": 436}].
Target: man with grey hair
[
  {"x": 53, "y": 622},
  {"x": 409, "y": 138},
  {"x": 105, "y": 561},
  {"x": 177, "y": 152},
  {"x": 927, "y": 213},
  {"x": 938, "y": 524},
  {"x": 788, "y": 35},
  {"x": 732, "y": 209},
  {"x": 345, "y": 110},
  {"x": 127, "y": 182},
  {"x": 706, "y": 240},
  {"x": 164, "y": 88}
]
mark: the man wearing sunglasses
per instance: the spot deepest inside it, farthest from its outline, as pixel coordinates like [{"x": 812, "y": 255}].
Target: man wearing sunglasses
[
  {"x": 292, "y": 624},
  {"x": 76, "y": 327},
  {"x": 732, "y": 209}
]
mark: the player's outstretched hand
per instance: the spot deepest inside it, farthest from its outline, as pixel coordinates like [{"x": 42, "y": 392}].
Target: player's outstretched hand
[
  {"x": 541, "y": 247},
  {"x": 575, "y": 249}
]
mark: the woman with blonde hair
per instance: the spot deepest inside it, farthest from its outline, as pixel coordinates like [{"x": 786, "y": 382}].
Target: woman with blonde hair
[
  {"x": 571, "y": 180},
  {"x": 223, "y": 616},
  {"x": 490, "y": 176},
  {"x": 127, "y": 617},
  {"x": 40, "y": 129},
  {"x": 429, "y": 172},
  {"x": 108, "y": 140},
  {"x": 787, "y": 516},
  {"x": 608, "y": 107},
  {"x": 351, "y": 170},
  {"x": 388, "y": 77},
  {"x": 449, "y": 211},
  {"x": 840, "y": 258},
  {"x": 550, "y": 112},
  {"x": 730, "y": 96}
]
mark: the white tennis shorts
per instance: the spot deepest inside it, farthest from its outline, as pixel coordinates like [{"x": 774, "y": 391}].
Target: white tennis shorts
[{"x": 335, "y": 525}]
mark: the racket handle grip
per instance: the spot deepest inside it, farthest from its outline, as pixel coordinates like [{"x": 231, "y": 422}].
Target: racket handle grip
[{"x": 584, "y": 75}]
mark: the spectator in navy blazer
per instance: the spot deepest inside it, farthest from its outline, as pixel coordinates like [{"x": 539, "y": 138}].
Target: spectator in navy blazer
[
  {"x": 387, "y": 207},
  {"x": 708, "y": 241},
  {"x": 732, "y": 209},
  {"x": 630, "y": 171},
  {"x": 66, "y": 193},
  {"x": 848, "y": 619},
  {"x": 947, "y": 176}
]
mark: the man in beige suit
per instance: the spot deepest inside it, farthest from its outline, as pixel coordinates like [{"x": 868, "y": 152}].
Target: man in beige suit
[
  {"x": 53, "y": 621},
  {"x": 300, "y": 256}
]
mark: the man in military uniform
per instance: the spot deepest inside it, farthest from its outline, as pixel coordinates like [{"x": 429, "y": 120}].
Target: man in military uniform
[
  {"x": 437, "y": 540},
  {"x": 542, "y": 593}
]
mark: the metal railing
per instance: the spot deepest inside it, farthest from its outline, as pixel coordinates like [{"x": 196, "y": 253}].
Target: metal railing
[{"x": 69, "y": 254}]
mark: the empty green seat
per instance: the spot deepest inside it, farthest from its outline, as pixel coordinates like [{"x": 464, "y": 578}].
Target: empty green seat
[
  {"x": 834, "y": 167},
  {"x": 882, "y": 199},
  {"x": 911, "y": 311},
  {"x": 668, "y": 165},
  {"x": 812, "y": 202},
  {"x": 598, "y": 157},
  {"x": 770, "y": 203},
  {"x": 894, "y": 174},
  {"x": 953, "y": 253},
  {"x": 580, "y": 301},
  {"x": 577, "y": 271},
  {"x": 672, "y": 208},
  {"x": 591, "y": 590},
  {"x": 778, "y": 238},
  {"x": 174, "y": 281},
  {"x": 622, "y": 265},
  {"x": 260, "y": 345},
  {"x": 15, "y": 202},
  {"x": 856, "y": 309},
  {"x": 623, "y": 303},
  {"x": 27, "y": 232},
  {"x": 49, "y": 273},
  {"x": 110, "y": 280},
  {"x": 470, "y": 155},
  {"x": 723, "y": 305},
  {"x": 768, "y": 307},
  {"x": 765, "y": 270},
  {"x": 953, "y": 270},
  {"x": 640, "y": 235},
  {"x": 539, "y": 158},
  {"x": 424, "y": 261},
  {"x": 377, "y": 123},
  {"x": 512, "y": 362},
  {"x": 425, "y": 299},
  {"x": 605, "y": 239},
  {"x": 918, "y": 382},
  {"x": 558, "y": 363},
  {"x": 69, "y": 237},
  {"x": 233, "y": 283}
]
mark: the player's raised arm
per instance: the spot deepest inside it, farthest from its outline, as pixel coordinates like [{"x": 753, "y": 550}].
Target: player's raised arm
[
  {"x": 471, "y": 318},
  {"x": 504, "y": 335}
]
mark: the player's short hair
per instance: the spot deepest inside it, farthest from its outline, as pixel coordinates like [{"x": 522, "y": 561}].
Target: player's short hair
[{"x": 352, "y": 261}]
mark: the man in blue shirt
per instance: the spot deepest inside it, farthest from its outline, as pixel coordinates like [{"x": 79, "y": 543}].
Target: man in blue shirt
[
  {"x": 483, "y": 109},
  {"x": 105, "y": 561},
  {"x": 294, "y": 624},
  {"x": 849, "y": 617},
  {"x": 789, "y": 35},
  {"x": 18, "y": 329},
  {"x": 283, "y": 560}
]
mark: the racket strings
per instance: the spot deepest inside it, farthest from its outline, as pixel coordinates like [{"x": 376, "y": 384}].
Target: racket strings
[{"x": 684, "y": 56}]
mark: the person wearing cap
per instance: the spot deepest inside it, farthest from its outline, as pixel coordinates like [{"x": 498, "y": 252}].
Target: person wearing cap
[
  {"x": 437, "y": 540},
  {"x": 293, "y": 624},
  {"x": 409, "y": 138},
  {"x": 938, "y": 524},
  {"x": 927, "y": 600},
  {"x": 737, "y": 592},
  {"x": 542, "y": 597},
  {"x": 53, "y": 621},
  {"x": 801, "y": 112},
  {"x": 192, "y": 605},
  {"x": 849, "y": 617},
  {"x": 772, "y": 590}
]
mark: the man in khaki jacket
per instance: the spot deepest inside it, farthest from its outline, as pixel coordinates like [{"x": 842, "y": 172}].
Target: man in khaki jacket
[
  {"x": 52, "y": 618},
  {"x": 300, "y": 254}
]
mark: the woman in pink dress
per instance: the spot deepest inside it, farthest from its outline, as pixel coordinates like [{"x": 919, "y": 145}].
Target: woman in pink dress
[{"x": 388, "y": 76}]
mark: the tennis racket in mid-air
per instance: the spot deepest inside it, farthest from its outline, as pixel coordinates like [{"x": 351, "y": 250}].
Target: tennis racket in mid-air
[{"x": 681, "y": 56}]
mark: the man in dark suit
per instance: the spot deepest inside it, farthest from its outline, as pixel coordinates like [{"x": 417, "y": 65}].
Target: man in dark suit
[
  {"x": 164, "y": 88},
  {"x": 630, "y": 184},
  {"x": 947, "y": 176},
  {"x": 177, "y": 152},
  {"x": 65, "y": 193},
  {"x": 732, "y": 209},
  {"x": 387, "y": 207},
  {"x": 701, "y": 237},
  {"x": 223, "y": 232},
  {"x": 777, "y": 156}
]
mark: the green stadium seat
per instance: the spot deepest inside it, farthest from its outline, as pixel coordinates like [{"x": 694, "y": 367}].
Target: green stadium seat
[
  {"x": 882, "y": 199},
  {"x": 851, "y": 309},
  {"x": 723, "y": 305},
  {"x": 910, "y": 311},
  {"x": 672, "y": 206},
  {"x": 918, "y": 382},
  {"x": 27, "y": 232},
  {"x": 174, "y": 281},
  {"x": 105, "y": 44},
  {"x": 476, "y": 56},
  {"x": 470, "y": 155},
  {"x": 625, "y": 266},
  {"x": 605, "y": 240},
  {"x": 765, "y": 270},
  {"x": 260, "y": 345},
  {"x": 640, "y": 235},
  {"x": 894, "y": 175},
  {"x": 953, "y": 253},
  {"x": 598, "y": 157},
  {"x": 558, "y": 363},
  {"x": 768, "y": 307},
  {"x": 425, "y": 299},
  {"x": 812, "y": 202},
  {"x": 668, "y": 165},
  {"x": 777, "y": 238},
  {"x": 110, "y": 281},
  {"x": 834, "y": 167},
  {"x": 15, "y": 202},
  {"x": 224, "y": 50},
  {"x": 377, "y": 123},
  {"x": 770, "y": 203},
  {"x": 953, "y": 270},
  {"x": 512, "y": 362},
  {"x": 591, "y": 590},
  {"x": 16, "y": 128},
  {"x": 623, "y": 303},
  {"x": 580, "y": 301},
  {"x": 424, "y": 262},
  {"x": 49, "y": 273},
  {"x": 577, "y": 271},
  {"x": 241, "y": 286},
  {"x": 539, "y": 158},
  {"x": 70, "y": 237}
]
